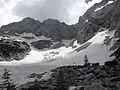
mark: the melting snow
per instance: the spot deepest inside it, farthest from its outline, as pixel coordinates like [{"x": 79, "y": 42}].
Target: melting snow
[
  {"x": 86, "y": 21},
  {"x": 96, "y": 52}
]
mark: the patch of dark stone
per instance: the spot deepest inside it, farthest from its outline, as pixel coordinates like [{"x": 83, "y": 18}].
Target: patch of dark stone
[
  {"x": 41, "y": 44},
  {"x": 35, "y": 75},
  {"x": 28, "y": 38},
  {"x": 111, "y": 63},
  {"x": 11, "y": 49}
]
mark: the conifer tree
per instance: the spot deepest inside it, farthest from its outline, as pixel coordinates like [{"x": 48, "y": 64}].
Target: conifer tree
[
  {"x": 61, "y": 84},
  {"x": 7, "y": 84},
  {"x": 86, "y": 60}
]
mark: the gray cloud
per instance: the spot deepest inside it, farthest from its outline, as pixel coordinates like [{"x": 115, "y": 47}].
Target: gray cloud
[
  {"x": 67, "y": 11},
  {"x": 3, "y": 1},
  {"x": 1, "y": 4},
  {"x": 6, "y": 13},
  {"x": 44, "y": 9}
]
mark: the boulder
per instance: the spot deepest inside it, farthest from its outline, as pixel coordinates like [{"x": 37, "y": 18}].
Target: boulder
[{"x": 11, "y": 49}]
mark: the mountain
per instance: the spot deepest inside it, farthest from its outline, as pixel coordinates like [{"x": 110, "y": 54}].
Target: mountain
[
  {"x": 30, "y": 29},
  {"x": 97, "y": 18},
  {"x": 96, "y": 36}
]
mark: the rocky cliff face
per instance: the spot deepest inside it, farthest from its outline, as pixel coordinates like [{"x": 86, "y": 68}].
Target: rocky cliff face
[
  {"x": 11, "y": 49},
  {"x": 103, "y": 15}
]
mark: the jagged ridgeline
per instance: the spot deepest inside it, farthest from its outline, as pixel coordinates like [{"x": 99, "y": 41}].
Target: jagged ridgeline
[
  {"x": 51, "y": 32},
  {"x": 40, "y": 34}
]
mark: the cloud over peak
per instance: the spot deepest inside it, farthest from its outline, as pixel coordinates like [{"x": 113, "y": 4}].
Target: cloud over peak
[
  {"x": 44, "y": 9},
  {"x": 67, "y": 11}
]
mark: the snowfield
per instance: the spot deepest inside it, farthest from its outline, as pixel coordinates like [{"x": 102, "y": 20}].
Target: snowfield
[
  {"x": 40, "y": 61},
  {"x": 96, "y": 51}
]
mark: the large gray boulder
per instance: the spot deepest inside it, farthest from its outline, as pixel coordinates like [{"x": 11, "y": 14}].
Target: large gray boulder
[{"x": 13, "y": 50}]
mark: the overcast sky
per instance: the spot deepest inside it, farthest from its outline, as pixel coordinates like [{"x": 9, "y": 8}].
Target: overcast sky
[{"x": 67, "y": 11}]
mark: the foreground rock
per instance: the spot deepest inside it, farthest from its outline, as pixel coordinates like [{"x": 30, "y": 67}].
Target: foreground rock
[{"x": 11, "y": 49}]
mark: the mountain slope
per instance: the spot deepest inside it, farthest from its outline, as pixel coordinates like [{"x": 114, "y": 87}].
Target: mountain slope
[
  {"x": 29, "y": 29},
  {"x": 98, "y": 35},
  {"x": 38, "y": 62}
]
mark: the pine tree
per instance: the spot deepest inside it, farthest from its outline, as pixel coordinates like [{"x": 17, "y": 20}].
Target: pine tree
[
  {"x": 6, "y": 83},
  {"x": 86, "y": 60},
  {"x": 61, "y": 84}
]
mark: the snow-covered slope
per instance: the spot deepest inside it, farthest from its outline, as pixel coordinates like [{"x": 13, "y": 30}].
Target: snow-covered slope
[
  {"x": 95, "y": 47},
  {"x": 97, "y": 51}
]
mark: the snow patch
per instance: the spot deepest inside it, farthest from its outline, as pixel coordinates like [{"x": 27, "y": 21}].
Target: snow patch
[
  {"x": 109, "y": 2},
  {"x": 72, "y": 88},
  {"x": 96, "y": 52},
  {"x": 86, "y": 21},
  {"x": 76, "y": 44}
]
